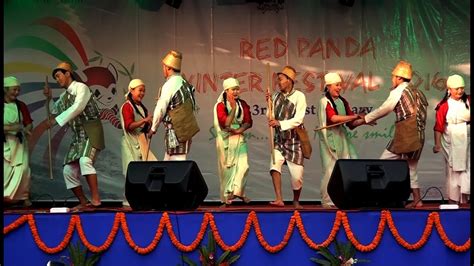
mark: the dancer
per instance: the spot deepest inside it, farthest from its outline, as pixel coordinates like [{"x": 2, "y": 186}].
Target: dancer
[
  {"x": 78, "y": 108},
  {"x": 231, "y": 119},
  {"x": 452, "y": 138},
  {"x": 17, "y": 126},
  {"x": 136, "y": 122},
  {"x": 289, "y": 107}
]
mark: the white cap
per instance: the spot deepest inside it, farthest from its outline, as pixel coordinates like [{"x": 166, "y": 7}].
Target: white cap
[
  {"x": 135, "y": 83},
  {"x": 230, "y": 83},
  {"x": 10, "y": 82},
  {"x": 455, "y": 81},
  {"x": 331, "y": 78}
]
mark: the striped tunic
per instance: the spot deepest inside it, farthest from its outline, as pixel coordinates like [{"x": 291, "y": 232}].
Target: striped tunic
[
  {"x": 80, "y": 146},
  {"x": 289, "y": 110},
  {"x": 173, "y": 93},
  {"x": 405, "y": 108}
]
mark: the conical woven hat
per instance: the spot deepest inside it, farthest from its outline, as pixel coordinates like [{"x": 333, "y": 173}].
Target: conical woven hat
[
  {"x": 403, "y": 69},
  {"x": 173, "y": 60},
  {"x": 289, "y": 72}
]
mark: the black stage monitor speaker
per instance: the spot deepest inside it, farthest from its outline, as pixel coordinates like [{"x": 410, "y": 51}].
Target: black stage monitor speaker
[
  {"x": 164, "y": 185},
  {"x": 369, "y": 183}
]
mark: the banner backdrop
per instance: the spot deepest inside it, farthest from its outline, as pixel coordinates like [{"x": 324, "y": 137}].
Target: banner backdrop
[{"x": 112, "y": 42}]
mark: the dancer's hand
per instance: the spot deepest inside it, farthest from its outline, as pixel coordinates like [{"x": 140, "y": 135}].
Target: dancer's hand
[
  {"x": 273, "y": 123},
  {"x": 47, "y": 92},
  {"x": 51, "y": 122}
]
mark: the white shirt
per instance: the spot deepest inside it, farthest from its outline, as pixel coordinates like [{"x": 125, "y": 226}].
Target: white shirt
[
  {"x": 171, "y": 86},
  {"x": 82, "y": 93},
  {"x": 299, "y": 100},
  {"x": 388, "y": 105}
]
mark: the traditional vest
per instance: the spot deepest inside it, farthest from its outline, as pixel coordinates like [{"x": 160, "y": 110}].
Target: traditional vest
[
  {"x": 405, "y": 108},
  {"x": 284, "y": 109},
  {"x": 86, "y": 126}
]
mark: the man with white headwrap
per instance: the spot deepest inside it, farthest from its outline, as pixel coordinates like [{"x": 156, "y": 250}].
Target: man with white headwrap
[
  {"x": 17, "y": 126},
  {"x": 452, "y": 138},
  {"x": 231, "y": 119}
]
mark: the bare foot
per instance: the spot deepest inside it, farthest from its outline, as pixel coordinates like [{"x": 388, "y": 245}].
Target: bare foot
[
  {"x": 277, "y": 203},
  {"x": 412, "y": 205},
  {"x": 244, "y": 199},
  {"x": 80, "y": 207},
  {"x": 297, "y": 205},
  {"x": 95, "y": 203}
]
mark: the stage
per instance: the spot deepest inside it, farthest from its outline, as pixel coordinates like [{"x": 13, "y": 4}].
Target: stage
[{"x": 260, "y": 234}]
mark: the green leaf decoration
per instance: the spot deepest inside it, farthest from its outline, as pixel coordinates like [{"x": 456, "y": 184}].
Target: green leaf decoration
[
  {"x": 79, "y": 255},
  {"x": 93, "y": 259},
  {"x": 210, "y": 248},
  {"x": 352, "y": 250},
  {"x": 122, "y": 72},
  {"x": 321, "y": 262},
  {"x": 223, "y": 257},
  {"x": 189, "y": 261},
  {"x": 211, "y": 243},
  {"x": 345, "y": 251},
  {"x": 132, "y": 68},
  {"x": 340, "y": 250},
  {"x": 233, "y": 259}
]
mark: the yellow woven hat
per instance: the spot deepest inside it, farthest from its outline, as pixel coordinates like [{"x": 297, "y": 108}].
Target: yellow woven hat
[
  {"x": 63, "y": 66},
  {"x": 403, "y": 69},
  {"x": 173, "y": 60},
  {"x": 289, "y": 72}
]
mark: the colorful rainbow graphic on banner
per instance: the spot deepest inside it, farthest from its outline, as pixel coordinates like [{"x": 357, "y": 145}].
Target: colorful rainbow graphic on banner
[{"x": 96, "y": 75}]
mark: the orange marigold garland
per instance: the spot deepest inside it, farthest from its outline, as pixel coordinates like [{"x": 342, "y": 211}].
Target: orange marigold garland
[
  {"x": 420, "y": 243},
  {"x": 439, "y": 227},
  {"x": 341, "y": 218},
  {"x": 15, "y": 224},
  {"x": 243, "y": 236},
  {"x": 195, "y": 243},
  {"x": 42, "y": 245},
  {"x": 154, "y": 242},
  {"x": 108, "y": 241},
  {"x": 264, "y": 243},
  {"x": 309, "y": 241},
  {"x": 377, "y": 238}
]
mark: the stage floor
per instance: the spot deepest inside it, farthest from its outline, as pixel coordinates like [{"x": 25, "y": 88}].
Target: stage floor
[{"x": 217, "y": 207}]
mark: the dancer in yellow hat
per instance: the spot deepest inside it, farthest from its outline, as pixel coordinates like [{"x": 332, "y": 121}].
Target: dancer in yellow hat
[{"x": 406, "y": 102}]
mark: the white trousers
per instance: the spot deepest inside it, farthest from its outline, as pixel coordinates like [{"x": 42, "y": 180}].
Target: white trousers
[
  {"x": 296, "y": 171},
  {"x": 73, "y": 171}
]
